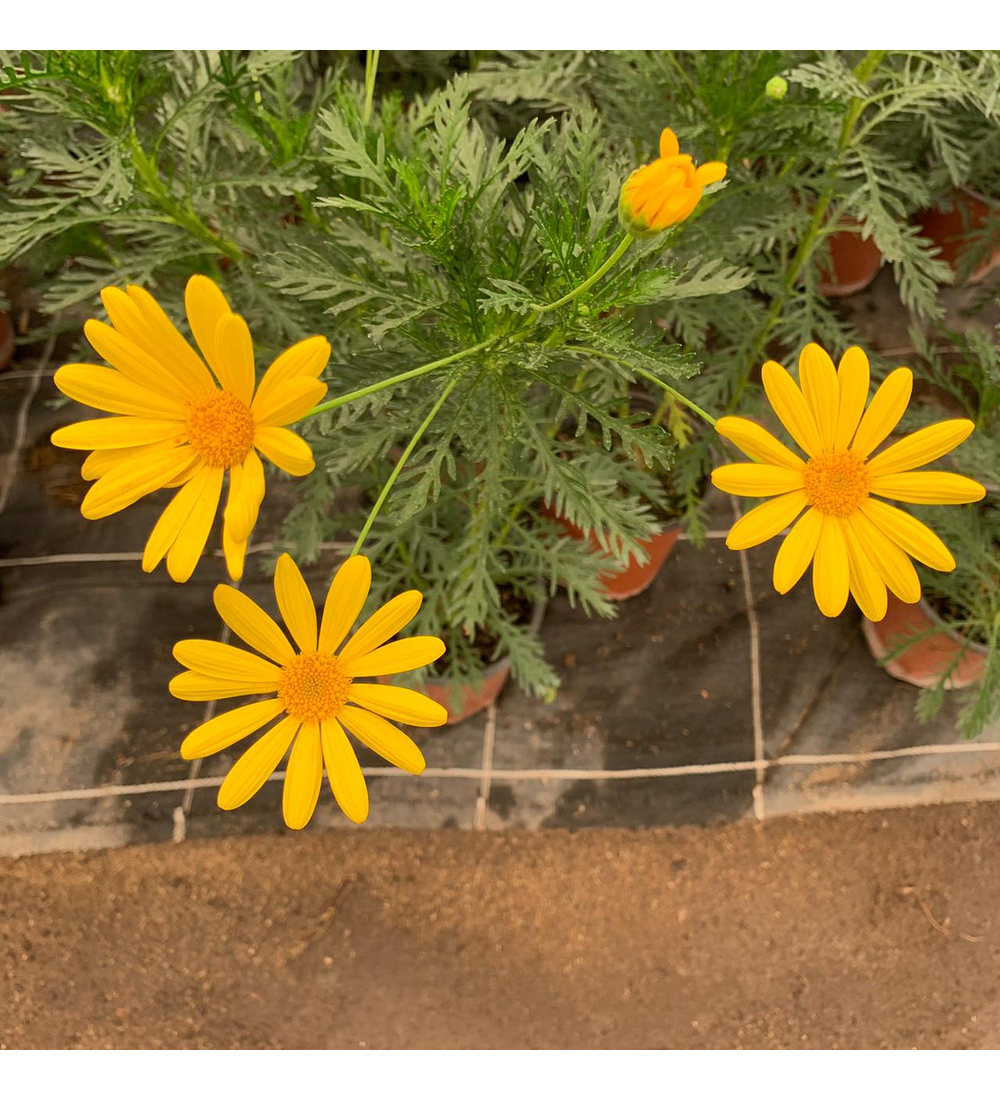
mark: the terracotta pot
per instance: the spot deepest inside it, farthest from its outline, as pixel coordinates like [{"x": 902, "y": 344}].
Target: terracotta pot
[
  {"x": 925, "y": 662},
  {"x": 473, "y": 699},
  {"x": 952, "y": 225},
  {"x": 634, "y": 578},
  {"x": 852, "y": 263}
]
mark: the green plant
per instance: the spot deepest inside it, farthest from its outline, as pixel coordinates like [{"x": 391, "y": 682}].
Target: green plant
[
  {"x": 479, "y": 294},
  {"x": 966, "y": 369}
]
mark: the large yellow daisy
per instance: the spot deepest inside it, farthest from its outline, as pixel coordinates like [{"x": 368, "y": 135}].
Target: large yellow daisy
[
  {"x": 857, "y": 544},
  {"x": 178, "y": 427},
  {"x": 313, "y": 688}
]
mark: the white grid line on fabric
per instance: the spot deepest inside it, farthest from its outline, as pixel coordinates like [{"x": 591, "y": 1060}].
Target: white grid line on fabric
[
  {"x": 486, "y": 779},
  {"x": 552, "y": 774},
  {"x": 756, "y": 690}
]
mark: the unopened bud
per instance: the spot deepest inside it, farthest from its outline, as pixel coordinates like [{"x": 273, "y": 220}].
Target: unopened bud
[{"x": 776, "y": 88}]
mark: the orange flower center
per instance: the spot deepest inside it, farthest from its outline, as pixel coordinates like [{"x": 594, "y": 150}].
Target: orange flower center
[
  {"x": 313, "y": 687},
  {"x": 837, "y": 482},
  {"x": 220, "y": 428}
]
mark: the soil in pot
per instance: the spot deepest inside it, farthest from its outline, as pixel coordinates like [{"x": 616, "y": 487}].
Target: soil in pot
[
  {"x": 954, "y": 225},
  {"x": 925, "y": 661}
]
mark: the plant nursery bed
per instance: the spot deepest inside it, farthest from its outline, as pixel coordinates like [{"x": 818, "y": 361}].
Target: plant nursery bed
[{"x": 709, "y": 697}]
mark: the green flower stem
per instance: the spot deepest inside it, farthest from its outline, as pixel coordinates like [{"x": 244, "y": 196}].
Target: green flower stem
[
  {"x": 608, "y": 264},
  {"x": 366, "y": 391},
  {"x": 180, "y": 213},
  {"x": 864, "y": 72},
  {"x": 371, "y": 68},
  {"x": 403, "y": 459},
  {"x": 676, "y": 394}
]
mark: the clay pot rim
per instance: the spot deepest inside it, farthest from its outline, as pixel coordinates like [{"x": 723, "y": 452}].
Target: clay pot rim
[
  {"x": 534, "y": 625},
  {"x": 959, "y": 639}
]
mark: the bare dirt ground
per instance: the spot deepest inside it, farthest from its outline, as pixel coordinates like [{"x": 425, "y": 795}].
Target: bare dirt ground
[{"x": 863, "y": 930}]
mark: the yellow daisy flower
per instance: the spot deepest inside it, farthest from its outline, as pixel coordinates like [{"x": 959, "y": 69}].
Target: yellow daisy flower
[
  {"x": 313, "y": 688},
  {"x": 663, "y": 193},
  {"x": 178, "y": 428},
  {"x": 857, "y": 544}
]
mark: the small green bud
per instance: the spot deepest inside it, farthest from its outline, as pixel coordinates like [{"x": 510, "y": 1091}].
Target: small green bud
[
  {"x": 583, "y": 310},
  {"x": 776, "y": 88}
]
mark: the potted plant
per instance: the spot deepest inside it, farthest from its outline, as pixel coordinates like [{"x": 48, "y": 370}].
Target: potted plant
[
  {"x": 674, "y": 496},
  {"x": 963, "y": 225},
  {"x": 950, "y": 640}
]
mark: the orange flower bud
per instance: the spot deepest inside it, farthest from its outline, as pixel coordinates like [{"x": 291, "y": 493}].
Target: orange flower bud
[{"x": 664, "y": 193}]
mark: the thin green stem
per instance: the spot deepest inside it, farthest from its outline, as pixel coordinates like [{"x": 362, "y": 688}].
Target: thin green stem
[
  {"x": 180, "y": 213},
  {"x": 864, "y": 72},
  {"x": 403, "y": 459},
  {"x": 366, "y": 391},
  {"x": 707, "y": 417},
  {"x": 371, "y": 68},
  {"x": 677, "y": 395},
  {"x": 608, "y": 264}
]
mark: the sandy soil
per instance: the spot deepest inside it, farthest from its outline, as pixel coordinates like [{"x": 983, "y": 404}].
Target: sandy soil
[{"x": 870, "y": 930}]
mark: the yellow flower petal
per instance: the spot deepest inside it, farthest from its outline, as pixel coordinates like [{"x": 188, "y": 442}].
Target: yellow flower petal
[
  {"x": 126, "y": 483},
  {"x": 891, "y": 564},
  {"x": 110, "y": 391},
  {"x": 129, "y": 321},
  {"x": 748, "y": 479},
  {"x": 246, "y": 492},
  {"x": 234, "y": 357},
  {"x": 256, "y": 765},
  {"x": 305, "y": 359},
  {"x": 303, "y": 778},
  {"x": 295, "y": 603},
  {"x": 401, "y": 656},
  {"x": 344, "y": 600},
  {"x": 669, "y": 145},
  {"x": 909, "y": 534},
  {"x": 759, "y": 524},
  {"x": 796, "y": 551},
  {"x": 133, "y": 362},
  {"x": 252, "y": 623},
  {"x": 757, "y": 442},
  {"x": 101, "y": 462},
  {"x": 854, "y": 381},
  {"x": 383, "y": 738},
  {"x": 187, "y": 548},
  {"x": 930, "y": 487},
  {"x": 196, "y": 687},
  {"x": 343, "y": 771},
  {"x": 710, "y": 172},
  {"x": 172, "y": 520},
  {"x": 115, "y": 432},
  {"x": 831, "y": 569},
  {"x": 388, "y": 620},
  {"x": 884, "y": 412},
  {"x": 787, "y": 401},
  {"x": 921, "y": 447},
  {"x": 223, "y": 730},
  {"x": 288, "y": 402},
  {"x": 288, "y": 451},
  {"x": 821, "y": 390},
  {"x": 867, "y": 587},
  {"x": 206, "y": 305},
  {"x": 398, "y": 703},
  {"x": 164, "y": 336},
  {"x": 235, "y": 554},
  {"x": 227, "y": 662}
]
